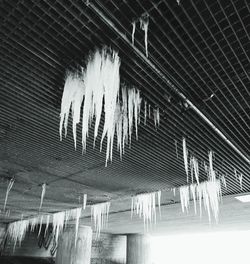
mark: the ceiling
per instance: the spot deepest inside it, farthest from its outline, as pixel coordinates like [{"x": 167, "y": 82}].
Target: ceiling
[{"x": 198, "y": 50}]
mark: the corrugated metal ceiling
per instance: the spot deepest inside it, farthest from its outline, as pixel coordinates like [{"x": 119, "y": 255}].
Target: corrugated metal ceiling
[{"x": 201, "y": 46}]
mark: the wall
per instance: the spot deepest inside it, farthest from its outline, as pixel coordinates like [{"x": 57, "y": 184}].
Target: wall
[{"x": 108, "y": 249}]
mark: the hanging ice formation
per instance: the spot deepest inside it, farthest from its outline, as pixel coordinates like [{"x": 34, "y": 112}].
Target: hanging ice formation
[
  {"x": 223, "y": 179},
  {"x": 144, "y": 22},
  {"x": 194, "y": 168},
  {"x": 97, "y": 88},
  {"x": 133, "y": 32},
  {"x": 185, "y": 156},
  {"x": 72, "y": 98},
  {"x": 211, "y": 169},
  {"x": 144, "y": 205},
  {"x": 185, "y": 197},
  {"x": 99, "y": 213},
  {"x": 156, "y": 114},
  {"x": 42, "y": 195},
  {"x": 84, "y": 201},
  {"x": 10, "y": 185},
  {"x": 58, "y": 223},
  {"x": 240, "y": 180},
  {"x": 16, "y": 231}
]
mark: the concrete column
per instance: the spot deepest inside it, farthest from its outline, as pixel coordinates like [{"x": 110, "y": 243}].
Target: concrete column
[
  {"x": 138, "y": 249},
  {"x": 68, "y": 253}
]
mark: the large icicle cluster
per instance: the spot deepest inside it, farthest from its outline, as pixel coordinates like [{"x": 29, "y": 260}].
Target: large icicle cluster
[
  {"x": 99, "y": 214},
  {"x": 144, "y": 205},
  {"x": 97, "y": 88},
  {"x": 72, "y": 98},
  {"x": 209, "y": 191},
  {"x": 16, "y": 231}
]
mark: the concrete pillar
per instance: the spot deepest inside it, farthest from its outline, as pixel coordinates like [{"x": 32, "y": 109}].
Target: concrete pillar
[
  {"x": 138, "y": 249},
  {"x": 68, "y": 253}
]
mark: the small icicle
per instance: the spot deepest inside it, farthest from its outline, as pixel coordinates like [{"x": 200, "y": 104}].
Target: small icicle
[
  {"x": 240, "y": 180},
  {"x": 235, "y": 174},
  {"x": 58, "y": 223},
  {"x": 223, "y": 179},
  {"x": 159, "y": 201},
  {"x": 72, "y": 98},
  {"x": 194, "y": 166},
  {"x": 174, "y": 191},
  {"x": 144, "y": 206},
  {"x": 42, "y": 195},
  {"x": 178, "y": 2},
  {"x": 41, "y": 224},
  {"x": 193, "y": 193},
  {"x": 145, "y": 112},
  {"x": 211, "y": 169},
  {"x": 47, "y": 224},
  {"x": 156, "y": 114},
  {"x": 84, "y": 201},
  {"x": 133, "y": 32},
  {"x": 10, "y": 185},
  {"x": 144, "y": 22},
  {"x": 16, "y": 231},
  {"x": 99, "y": 214},
  {"x": 185, "y": 156},
  {"x": 185, "y": 197},
  {"x": 149, "y": 111}
]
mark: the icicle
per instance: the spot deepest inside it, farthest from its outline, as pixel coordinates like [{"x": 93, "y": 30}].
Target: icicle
[
  {"x": 208, "y": 191},
  {"x": 156, "y": 115},
  {"x": 149, "y": 111},
  {"x": 191, "y": 169},
  {"x": 145, "y": 112},
  {"x": 240, "y": 180},
  {"x": 84, "y": 201},
  {"x": 42, "y": 195},
  {"x": 10, "y": 185},
  {"x": 125, "y": 121},
  {"x": 223, "y": 179},
  {"x": 99, "y": 214},
  {"x": 110, "y": 83},
  {"x": 185, "y": 197},
  {"x": 16, "y": 231},
  {"x": 144, "y": 206},
  {"x": 235, "y": 174},
  {"x": 178, "y": 2},
  {"x": 194, "y": 167},
  {"x": 33, "y": 223},
  {"x": 144, "y": 22},
  {"x": 185, "y": 156},
  {"x": 47, "y": 224},
  {"x": 174, "y": 191},
  {"x": 159, "y": 201},
  {"x": 211, "y": 170},
  {"x": 72, "y": 99},
  {"x": 41, "y": 224},
  {"x": 193, "y": 193},
  {"x": 58, "y": 222},
  {"x": 133, "y": 32}
]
